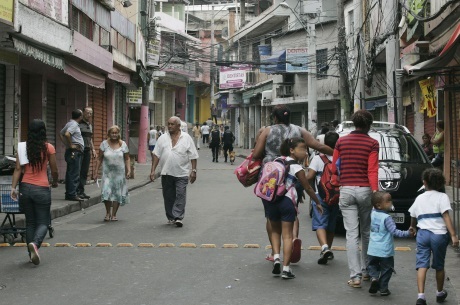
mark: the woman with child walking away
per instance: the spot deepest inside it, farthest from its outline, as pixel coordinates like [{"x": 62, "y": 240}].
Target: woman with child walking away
[
  {"x": 32, "y": 159},
  {"x": 268, "y": 143},
  {"x": 430, "y": 213},
  {"x": 116, "y": 169},
  {"x": 283, "y": 212}
]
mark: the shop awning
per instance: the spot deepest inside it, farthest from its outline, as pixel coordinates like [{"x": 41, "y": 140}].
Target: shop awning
[
  {"x": 120, "y": 76},
  {"x": 84, "y": 75},
  {"x": 371, "y": 105},
  {"x": 449, "y": 56}
]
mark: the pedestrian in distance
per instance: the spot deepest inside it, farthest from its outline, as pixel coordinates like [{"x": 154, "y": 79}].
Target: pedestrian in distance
[
  {"x": 438, "y": 145},
  {"x": 358, "y": 158},
  {"x": 267, "y": 148},
  {"x": 116, "y": 169},
  {"x": 323, "y": 223},
  {"x": 205, "y": 130},
  {"x": 214, "y": 113},
  {"x": 427, "y": 146},
  {"x": 283, "y": 212},
  {"x": 227, "y": 139},
  {"x": 89, "y": 151},
  {"x": 73, "y": 140},
  {"x": 430, "y": 214},
  {"x": 174, "y": 153},
  {"x": 152, "y": 137},
  {"x": 32, "y": 160},
  {"x": 215, "y": 143},
  {"x": 381, "y": 244},
  {"x": 196, "y": 135},
  {"x": 210, "y": 122}
]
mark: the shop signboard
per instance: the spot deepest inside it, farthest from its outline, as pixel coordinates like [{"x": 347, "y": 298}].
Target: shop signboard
[
  {"x": 6, "y": 11},
  {"x": 233, "y": 77}
]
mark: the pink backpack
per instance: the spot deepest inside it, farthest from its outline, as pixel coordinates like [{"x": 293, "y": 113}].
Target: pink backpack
[{"x": 272, "y": 183}]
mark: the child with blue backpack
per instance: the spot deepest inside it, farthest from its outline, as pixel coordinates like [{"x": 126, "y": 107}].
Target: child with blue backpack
[{"x": 282, "y": 212}]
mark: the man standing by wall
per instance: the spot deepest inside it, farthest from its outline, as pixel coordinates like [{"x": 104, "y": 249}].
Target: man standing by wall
[
  {"x": 71, "y": 137},
  {"x": 214, "y": 113},
  {"x": 175, "y": 151},
  {"x": 87, "y": 133}
]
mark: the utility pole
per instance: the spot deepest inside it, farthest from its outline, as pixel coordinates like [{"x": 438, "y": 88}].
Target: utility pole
[
  {"x": 345, "y": 98},
  {"x": 312, "y": 95},
  {"x": 359, "y": 91},
  {"x": 211, "y": 71}
]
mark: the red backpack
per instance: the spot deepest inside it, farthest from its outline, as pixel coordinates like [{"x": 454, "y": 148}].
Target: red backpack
[{"x": 328, "y": 186}]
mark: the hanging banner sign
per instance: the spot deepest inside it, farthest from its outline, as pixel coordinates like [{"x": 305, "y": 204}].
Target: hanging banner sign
[{"x": 428, "y": 101}]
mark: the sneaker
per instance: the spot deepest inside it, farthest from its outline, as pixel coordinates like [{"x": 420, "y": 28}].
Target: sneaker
[
  {"x": 287, "y": 275},
  {"x": 178, "y": 223},
  {"x": 170, "y": 222},
  {"x": 385, "y": 293},
  {"x": 276, "y": 267},
  {"x": 296, "y": 250},
  {"x": 420, "y": 302},
  {"x": 323, "y": 257},
  {"x": 35, "y": 258},
  {"x": 331, "y": 257},
  {"x": 442, "y": 297},
  {"x": 374, "y": 286},
  {"x": 83, "y": 195}
]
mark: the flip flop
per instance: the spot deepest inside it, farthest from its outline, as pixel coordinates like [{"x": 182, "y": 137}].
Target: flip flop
[
  {"x": 114, "y": 218},
  {"x": 269, "y": 258},
  {"x": 296, "y": 250},
  {"x": 354, "y": 283},
  {"x": 107, "y": 218}
]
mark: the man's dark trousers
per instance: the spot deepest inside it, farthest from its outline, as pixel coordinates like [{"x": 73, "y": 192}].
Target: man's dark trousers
[
  {"x": 72, "y": 176},
  {"x": 86, "y": 160}
]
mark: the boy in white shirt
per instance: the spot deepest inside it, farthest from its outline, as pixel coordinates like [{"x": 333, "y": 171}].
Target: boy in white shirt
[{"x": 430, "y": 212}]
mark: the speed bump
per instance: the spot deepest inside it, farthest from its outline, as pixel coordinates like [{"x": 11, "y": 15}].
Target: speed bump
[
  {"x": 146, "y": 245},
  {"x": 45, "y": 245},
  {"x": 253, "y": 246},
  {"x": 314, "y": 248},
  {"x": 5, "y": 245},
  {"x": 20, "y": 245},
  {"x": 166, "y": 245},
  {"x": 82, "y": 245},
  {"x": 208, "y": 246},
  {"x": 125, "y": 245},
  {"x": 339, "y": 248},
  {"x": 104, "y": 245},
  {"x": 187, "y": 245},
  {"x": 268, "y": 247},
  {"x": 402, "y": 249},
  {"x": 61, "y": 245},
  {"x": 228, "y": 246}
]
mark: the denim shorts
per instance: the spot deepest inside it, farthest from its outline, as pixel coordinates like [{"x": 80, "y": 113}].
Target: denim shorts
[
  {"x": 328, "y": 219},
  {"x": 282, "y": 210},
  {"x": 427, "y": 243}
]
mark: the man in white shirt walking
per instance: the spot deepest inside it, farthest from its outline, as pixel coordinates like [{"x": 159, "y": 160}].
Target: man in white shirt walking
[{"x": 174, "y": 152}]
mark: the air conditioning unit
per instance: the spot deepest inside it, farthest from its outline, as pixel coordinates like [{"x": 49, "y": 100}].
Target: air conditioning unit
[
  {"x": 250, "y": 77},
  {"x": 284, "y": 91},
  {"x": 266, "y": 98}
]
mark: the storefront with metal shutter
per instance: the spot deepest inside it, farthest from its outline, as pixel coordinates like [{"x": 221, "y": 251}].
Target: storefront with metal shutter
[
  {"x": 120, "y": 109},
  {"x": 98, "y": 101},
  {"x": 2, "y": 108},
  {"x": 51, "y": 113}
]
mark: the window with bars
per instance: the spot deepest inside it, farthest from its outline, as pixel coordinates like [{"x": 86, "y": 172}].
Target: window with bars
[
  {"x": 88, "y": 28},
  {"x": 122, "y": 44},
  {"x": 321, "y": 64}
]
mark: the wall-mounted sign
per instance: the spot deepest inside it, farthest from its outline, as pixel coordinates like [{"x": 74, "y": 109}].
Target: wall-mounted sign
[
  {"x": 135, "y": 96},
  {"x": 6, "y": 11},
  {"x": 38, "y": 54},
  {"x": 233, "y": 77}
]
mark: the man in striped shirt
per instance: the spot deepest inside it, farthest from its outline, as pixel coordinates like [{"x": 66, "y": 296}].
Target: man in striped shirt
[{"x": 356, "y": 159}]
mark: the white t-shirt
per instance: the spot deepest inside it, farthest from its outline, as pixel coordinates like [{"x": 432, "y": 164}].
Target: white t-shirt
[
  {"x": 205, "y": 129},
  {"x": 175, "y": 161},
  {"x": 318, "y": 165},
  {"x": 153, "y": 137},
  {"x": 428, "y": 209},
  {"x": 290, "y": 178}
]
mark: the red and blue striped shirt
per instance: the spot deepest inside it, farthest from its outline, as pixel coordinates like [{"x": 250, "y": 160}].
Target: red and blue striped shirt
[{"x": 358, "y": 155}]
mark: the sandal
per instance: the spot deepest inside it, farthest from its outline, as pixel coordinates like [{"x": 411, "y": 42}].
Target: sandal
[
  {"x": 355, "y": 283},
  {"x": 269, "y": 258},
  {"x": 107, "y": 218},
  {"x": 114, "y": 218}
]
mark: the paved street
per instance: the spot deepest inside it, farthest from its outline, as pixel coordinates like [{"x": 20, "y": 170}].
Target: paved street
[{"x": 219, "y": 212}]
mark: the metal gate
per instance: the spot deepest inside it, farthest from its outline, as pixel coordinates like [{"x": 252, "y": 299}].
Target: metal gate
[
  {"x": 2, "y": 108},
  {"x": 51, "y": 113},
  {"x": 453, "y": 90}
]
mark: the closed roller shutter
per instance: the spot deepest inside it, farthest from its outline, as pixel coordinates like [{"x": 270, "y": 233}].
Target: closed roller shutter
[
  {"x": 97, "y": 101},
  {"x": 325, "y": 116},
  {"x": 2, "y": 108},
  {"x": 120, "y": 109},
  {"x": 51, "y": 113},
  {"x": 429, "y": 126},
  {"x": 296, "y": 118},
  {"x": 410, "y": 118}
]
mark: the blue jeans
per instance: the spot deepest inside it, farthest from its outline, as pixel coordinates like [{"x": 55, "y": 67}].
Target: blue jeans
[
  {"x": 36, "y": 202},
  {"x": 72, "y": 175},
  {"x": 356, "y": 207},
  {"x": 381, "y": 268}
]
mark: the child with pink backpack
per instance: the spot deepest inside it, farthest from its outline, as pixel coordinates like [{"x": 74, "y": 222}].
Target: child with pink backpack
[{"x": 282, "y": 208}]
